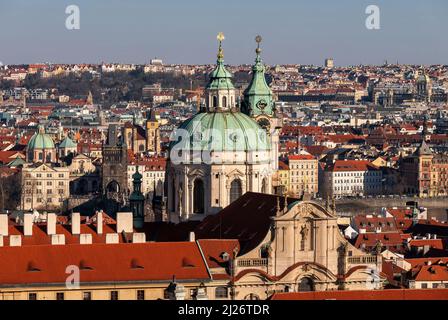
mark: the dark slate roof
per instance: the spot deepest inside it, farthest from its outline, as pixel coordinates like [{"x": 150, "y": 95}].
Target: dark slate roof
[
  {"x": 423, "y": 149},
  {"x": 248, "y": 219}
]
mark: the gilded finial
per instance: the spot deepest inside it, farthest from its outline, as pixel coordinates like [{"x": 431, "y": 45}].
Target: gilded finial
[
  {"x": 258, "y": 40},
  {"x": 220, "y": 38}
]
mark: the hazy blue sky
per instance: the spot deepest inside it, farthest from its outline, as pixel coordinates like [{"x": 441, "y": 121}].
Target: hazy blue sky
[{"x": 184, "y": 31}]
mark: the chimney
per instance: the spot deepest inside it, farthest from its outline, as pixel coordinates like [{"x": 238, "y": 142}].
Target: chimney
[
  {"x": 15, "y": 240},
  {"x": 138, "y": 237},
  {"x": 4, "y": 219},
  {"x": 124, "y": 222},
  {"x": 58, "y": 239},
  {"x": 85, "y": 239},
  {"x": 76, "y": 223},
  {"x": 112, "y": 238},
  {"x": 28, "y": 224},
  {"x": 192, "y": 237},
  {"x": 99, "y": 222},
  {"x": 1, "y": 241},
  {"x": 51, "y": 223}
]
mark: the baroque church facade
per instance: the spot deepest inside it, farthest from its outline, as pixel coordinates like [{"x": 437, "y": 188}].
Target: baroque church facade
[{"x": 226, "y": 149}]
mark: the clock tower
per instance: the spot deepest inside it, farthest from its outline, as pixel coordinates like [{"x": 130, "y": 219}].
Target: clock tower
[{"x": 258, "y": 103}]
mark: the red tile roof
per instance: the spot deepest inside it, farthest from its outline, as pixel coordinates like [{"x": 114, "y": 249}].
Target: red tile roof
[
  {"x": 395, "y": 294},
  {"x": 301, "y": 157},
  {"x": 386, "y": 238},
  {"x": 352, "y": 165},
  {"x": 213, "y": 249},
  {"x": 370, "y": 224},
  {"x": 103, "y": 263}
]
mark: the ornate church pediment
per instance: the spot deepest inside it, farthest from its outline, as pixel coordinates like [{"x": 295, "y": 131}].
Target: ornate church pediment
[
  {"x": 235, "y": 173},
  {"x": 306, "y": 210}
]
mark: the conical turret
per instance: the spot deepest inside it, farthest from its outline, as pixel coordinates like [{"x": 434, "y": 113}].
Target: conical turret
[{"x": 258, "y": 96}]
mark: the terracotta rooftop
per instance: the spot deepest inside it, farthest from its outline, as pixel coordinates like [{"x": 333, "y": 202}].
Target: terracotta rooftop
[{"x": 394, "y": 294}]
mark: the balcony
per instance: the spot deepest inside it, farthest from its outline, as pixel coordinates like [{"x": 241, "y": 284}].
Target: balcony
[
  {"x": 252, "y": 263},
  {"x": 362, "y": 260}
]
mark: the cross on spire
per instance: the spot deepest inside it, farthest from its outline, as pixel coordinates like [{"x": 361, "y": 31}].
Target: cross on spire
[{"x": 220, "y": 38}]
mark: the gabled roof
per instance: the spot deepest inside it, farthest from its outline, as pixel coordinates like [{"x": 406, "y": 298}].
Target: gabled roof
[{"x": 103, "y": 263}]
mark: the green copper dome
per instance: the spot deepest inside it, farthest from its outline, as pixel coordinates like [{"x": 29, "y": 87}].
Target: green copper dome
[
  {"x": 67, "y": 143},
  {"x": 40, "y": 140},
  {"x": 222, "y": 131}
]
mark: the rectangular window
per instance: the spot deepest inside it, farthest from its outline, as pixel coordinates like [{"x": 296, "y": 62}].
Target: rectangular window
[
  {"x": 140, "y": 294},
  {"x": 32, "y": 296},
  {"x": 114, "y": 295},
  {"x": 59, "y": 295},
  {"x": 424, "y": 286}
]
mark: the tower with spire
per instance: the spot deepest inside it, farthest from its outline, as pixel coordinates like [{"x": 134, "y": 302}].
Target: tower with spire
[
  {"x": 258, "y": 103},
  {"x": 137, "y": 200},
  {"x": 258, "y": 99},
  {"x": 220, "y": 92},
  {"x": 225, "y": 153}
]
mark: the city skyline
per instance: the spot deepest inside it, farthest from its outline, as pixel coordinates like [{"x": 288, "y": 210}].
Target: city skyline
[{"x": 182, "y": 33}]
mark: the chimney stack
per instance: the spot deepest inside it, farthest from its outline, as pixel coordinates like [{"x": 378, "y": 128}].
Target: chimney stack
[
  {"x": 124, "y": 222},
  {"x": 99, "y": 222},
  {"x": 4, "y": 219},
  {"x": 76, "y": 223},
  {"x": 28, "y": 224},
  {"x": 192, "y": 237},
  {"x": 51, "y": 223}
]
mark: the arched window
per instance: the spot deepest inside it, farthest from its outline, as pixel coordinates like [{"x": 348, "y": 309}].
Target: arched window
[
  {"x": 306, "y": 284},
  {"x": 215, "y": 102},
  {"x": 251, "y": 296},
  {"x": 224, "y": 102},
  {"x": 113, "y": 186},
  {"x": 198, "y": 196},
  {"x": 236, "y": 190},
  {"x": 264, "y": 186},
  {"x": 221, "y": 292}
]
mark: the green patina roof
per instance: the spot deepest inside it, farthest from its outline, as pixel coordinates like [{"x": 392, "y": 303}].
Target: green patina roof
[
  {"x": 40, "y": 140},
  {"x": 220, "y": 78},
  {"x": 258, "y": 95},
  {"x": 136, "y": 194},
  {"x": 223, "y": 131},
  {"x": 67, "y": 143},
  {"x": 16, "y": 162}
]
